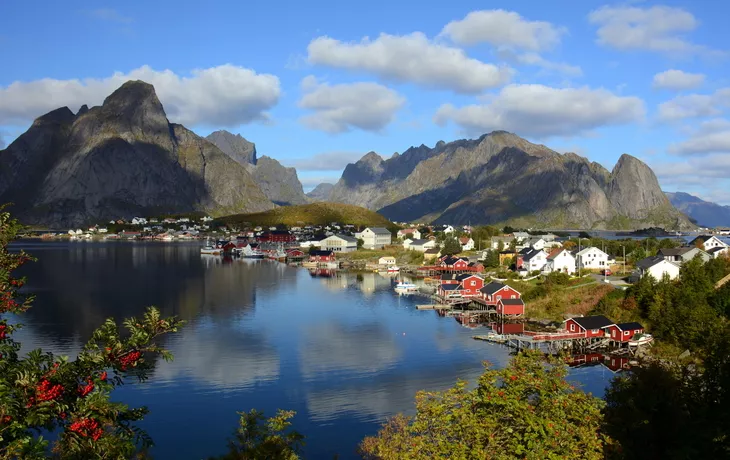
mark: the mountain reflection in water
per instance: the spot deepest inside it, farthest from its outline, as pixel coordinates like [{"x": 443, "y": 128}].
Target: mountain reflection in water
[{"x": 341, "y": 349}]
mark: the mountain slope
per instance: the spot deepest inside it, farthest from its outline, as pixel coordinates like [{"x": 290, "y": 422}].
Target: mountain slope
[
  {"x": 279, "y": 183},
  {"x": 120, "y": 159},
  {"x": 502, "y": 178},
  {"x": 703, "y": 212},
  {"x": 312, "y": 214},
  {"x": 321, "y": 192}
]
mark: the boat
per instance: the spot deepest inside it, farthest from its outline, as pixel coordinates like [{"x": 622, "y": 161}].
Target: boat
[
  {"x": 211, "y": 250},
  {"x": 641, "y": 339},
  {"x": 247, "y": 252},
  {"x": 403, "y": 287},
  {"x": 393, "y": 269}
]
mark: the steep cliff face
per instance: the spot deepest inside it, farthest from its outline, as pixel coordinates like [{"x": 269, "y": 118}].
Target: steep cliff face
[
  {"x": 279, "y": 183},
  {"x": 502, "y": 178},
  {"x": 118, "y": 160},
  {"x": 235, "y": 146}
]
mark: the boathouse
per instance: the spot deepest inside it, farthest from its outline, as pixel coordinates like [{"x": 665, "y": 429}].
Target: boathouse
[
  {"x": 590, "y": 326},
  {"x": 321, "y": 256},
  {"x": 510, "y": 307},
  {"x": 449, "y": 278},
  {"x": 294, "y": 254},
  {"x": 470, "y": 284},
  {"x": 495, "y": 290},
  {"x": 449, "y": 290},
  {"x": 624, "y": 332}
]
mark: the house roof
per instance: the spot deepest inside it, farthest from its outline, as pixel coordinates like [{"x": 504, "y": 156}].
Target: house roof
[
  {"x": 649, "y": 262},
  {"x": 419, "y": 242},
  {"x": 555, "y": 253},
  {"x": 321, "y": 253},
  {"x": 717, "y": 249},
  {"x": 629, "y": 326},
  {"x": 450, "y": 287},
  {"x": 512, "y": 302},
  {"x": 347, "y": 238},
  {"x": 408, "y": 230},
  {"x": 532, "y": 254},
  {"x": 592, "y": 322},
  {"x": 492, "y": 287},
  {"x": 432, "y": 251},
  {"x": 704, "y": 238},
  {"x": 448, "y": 276},
  {"x": 586, "y": 250},
  {"x": 464, "y": 239},
  {"x": 464, "y": 276},
  {"x": 379, "y": 230},
  {"x": 670, "y": 252}
]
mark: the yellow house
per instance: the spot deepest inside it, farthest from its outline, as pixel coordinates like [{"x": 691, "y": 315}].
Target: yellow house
[{"x": 387, "y": 260}]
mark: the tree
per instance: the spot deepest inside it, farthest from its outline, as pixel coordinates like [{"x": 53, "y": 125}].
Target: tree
[
  {"x": 360, "y": 243},
  {"x": 45, "y": 393},
  {"x": 491, "y": 259},
  {"x": 700, "y": 243},
  {"x": 507, "y": 229},
  {"x": 408, "y": 236},
  {"x": 312, "y": 249},
  {"x": 513, "y": 245},
  {"x": 451, "y": 246},
  {"x": 261, "y": 438},
  {"x": 500, "y": 246},
  {"x": 526, "y": 410}
]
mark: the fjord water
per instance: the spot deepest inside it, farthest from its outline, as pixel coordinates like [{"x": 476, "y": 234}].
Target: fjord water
[{"x": 343, "y": 352}]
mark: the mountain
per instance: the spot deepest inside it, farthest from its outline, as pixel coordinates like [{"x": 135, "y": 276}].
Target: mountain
[
  {"x": 705, "y": 213},
  {"x": 321, "y": 192},
  {"x": 502, "y": 178},
  {"x": 118, "y": 160},
  {"x": 279, "y": 183}
]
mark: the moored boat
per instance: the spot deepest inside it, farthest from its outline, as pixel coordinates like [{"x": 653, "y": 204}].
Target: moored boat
[{"x": 393, "y": 269}]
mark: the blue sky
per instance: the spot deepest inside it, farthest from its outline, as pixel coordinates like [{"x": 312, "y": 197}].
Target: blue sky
[{"x": 318, "y": 84}]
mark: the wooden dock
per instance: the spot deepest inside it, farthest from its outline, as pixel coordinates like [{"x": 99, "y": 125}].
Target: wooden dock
[{"x": 434, "y": 307}]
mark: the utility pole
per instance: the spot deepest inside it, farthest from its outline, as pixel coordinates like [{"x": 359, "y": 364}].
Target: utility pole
[
  {"x": 579, "y": 258},
  {"x": 623, "y": 270}
]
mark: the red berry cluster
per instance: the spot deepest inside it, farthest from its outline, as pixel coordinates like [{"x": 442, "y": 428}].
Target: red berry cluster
[
  {"x": 3, "y": 331},
  {"x": 46, "y": 391},
  {"x": 6, "y": 419},
  {"x": 129, "y": 360},
  {"x": 87, "y": 427},
  {"x": 102, "y": 376},
  {"x": 7, "y": 303},
  {"x": 86, "y": 389}
]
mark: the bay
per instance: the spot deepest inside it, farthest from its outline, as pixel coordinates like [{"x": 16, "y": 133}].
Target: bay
[{"x": 345, "y": 352}]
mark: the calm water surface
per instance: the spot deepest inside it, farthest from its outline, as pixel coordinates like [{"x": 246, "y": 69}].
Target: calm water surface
[{"x": 343, "y": 352}]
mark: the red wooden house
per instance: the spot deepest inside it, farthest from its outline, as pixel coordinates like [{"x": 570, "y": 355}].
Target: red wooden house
[
  {"x": 508, "y": 328},
  {"x": 277, "y": 236},
  {"x": 494, "y": 291},
  {"x": 295, "y": 254},
  {"x": 591, "y": 326},
  {"x": 449, "y": 278},
  {"x": 455, "y": 264},
  {"x": 584, "y": 360},
  {"x": 449, "y": 290},
  {"x": 470, "y": 284},
  {"x": 624, "y": 332},
  {"x": 322, "y": 256},
  {"x": 617, "y": 363},
  {"x": 510, "y": 307}
]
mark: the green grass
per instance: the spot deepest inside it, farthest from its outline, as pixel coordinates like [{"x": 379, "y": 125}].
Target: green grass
[{"x": 311, "y": 214}]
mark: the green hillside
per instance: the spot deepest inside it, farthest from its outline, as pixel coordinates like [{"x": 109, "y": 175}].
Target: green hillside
[{"x": 311, "y": 214}]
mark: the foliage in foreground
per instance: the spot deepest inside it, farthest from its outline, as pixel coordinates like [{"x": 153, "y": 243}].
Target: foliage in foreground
[
  {"x": 261, "y": 438},
  {"x": 41, "y": 392},
  {"x": 526, "y": 410}
]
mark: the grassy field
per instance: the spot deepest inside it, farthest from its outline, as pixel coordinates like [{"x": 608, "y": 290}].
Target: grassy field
[
  {"x": 310, "y": 214},
  {"x": 402, "y": 256}
]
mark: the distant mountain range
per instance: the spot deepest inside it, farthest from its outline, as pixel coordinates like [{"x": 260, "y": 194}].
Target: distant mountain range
[
  {"x": 124, "y": 158},
  {"x": 705, "y": 213}
]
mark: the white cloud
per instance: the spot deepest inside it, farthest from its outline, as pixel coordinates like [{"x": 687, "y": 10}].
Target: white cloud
[
  {"x": 226, "y": 95},
  {"x": 677, "y": 80},
  {"x": 503, "y": 29},
  {"x": 534, "y": 59},
  {"x": 658, "y": 28},
  {"x": 712, "y": 136},
  {"x": 541, "y": 111},
  {"x": 326, "y": 161},
  {"x": 111, "y": 15},
  {"x": 694, "y": 105},
  {"x": 339, "y": 108},
  {"x": 410, "y": 58},
  {"x": 707, "y": 172}
]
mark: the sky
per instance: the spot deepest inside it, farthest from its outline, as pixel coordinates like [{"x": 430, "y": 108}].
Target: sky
[{"x": 318, "y": 84}]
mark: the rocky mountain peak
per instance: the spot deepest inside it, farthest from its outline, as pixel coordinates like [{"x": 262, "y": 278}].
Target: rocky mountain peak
[
  {"x": 634, "y": 188},
  {"x": 58, "y": 116},
  {"x": 235, "y": 146},
  {"x": 82, "y": 110},
  {"x": 371, "y": 158},
  {"x": 132, "y": 93},
  {"x": 321, "y": 192}
]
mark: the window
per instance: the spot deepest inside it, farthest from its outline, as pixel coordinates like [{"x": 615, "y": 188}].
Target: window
[
  {"x": 572, "y": 327},
  {"x": 473, "y": 283},
  {"x": 499, "y": 297},
  {"x": 513, "y": 297},
  {"x": 626, "y": 332},
  {"x": 594, "y": 331}
]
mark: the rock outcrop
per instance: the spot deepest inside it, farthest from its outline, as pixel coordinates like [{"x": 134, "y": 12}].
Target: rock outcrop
[
  {"x": 321, "y": 192},
  {"x": 279, "y": 183},
  {"x": 502, "y": 178},
  {"x": 118, "y": 160}
]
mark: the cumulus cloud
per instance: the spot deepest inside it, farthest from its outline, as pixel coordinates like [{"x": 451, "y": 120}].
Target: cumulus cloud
[
  {"x": 541, "y": 111},
  {"x": 694, "y": 105},
  {"x": 712, "y": 136},
  {"x": 410, "y": 58},
  {"x": 340, "y": 108},
  {"x": 503, "y": 29},
  {"x": 658, "y": 28},
  {"x": 225, "y": 95},
  {"x": 702, "y": 171},
  {"x": 677, "y": 80},
  {"x": 534, "y": 59},
  {"x": 327, "y": 161}
]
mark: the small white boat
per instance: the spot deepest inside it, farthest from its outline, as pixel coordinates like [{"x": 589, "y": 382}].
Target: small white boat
[
  {"x": 404, "y": 287},
  {"x": 393, "y": 269},
  {"x": 211, "y": 250},
  {"x": 641, "y": 339}
]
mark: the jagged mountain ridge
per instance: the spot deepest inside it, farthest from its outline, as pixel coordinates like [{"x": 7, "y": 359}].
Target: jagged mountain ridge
[
  {"x": 279, "y": 183},
  {"x": 117, "y": 160},
  {"x": 502, "y": 178},
  {"x": 705, "y": 213}
]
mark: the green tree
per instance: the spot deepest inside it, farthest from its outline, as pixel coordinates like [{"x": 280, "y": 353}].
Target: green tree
[
  {"x": 260, "y": 438},
  {"x": 360, "y": 243},
  {"x": 41, "y": 392},
  {"x": 491, "y": 259},
  {"x": 500, "y": 246},
  {"x": 451, "y": 246},
  {"x": 513, "y": 245},
  {"x": 526, "y": 410},
  {"x": 408, "y": 236}
]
